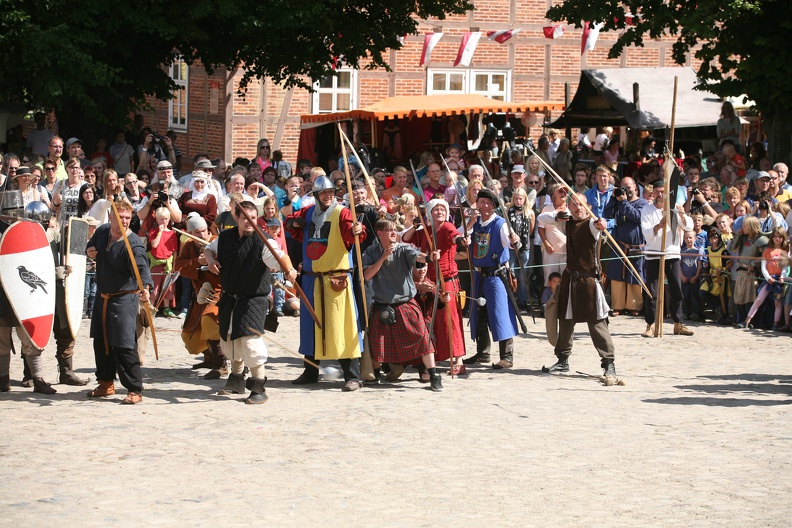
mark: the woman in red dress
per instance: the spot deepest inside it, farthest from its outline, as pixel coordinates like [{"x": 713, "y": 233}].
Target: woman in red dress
[{"x": 447, "y": 237}]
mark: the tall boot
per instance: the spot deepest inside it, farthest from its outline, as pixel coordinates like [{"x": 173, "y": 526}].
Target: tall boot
[
  {"x": 36, "y": 372},
  {"x": 234, "y": 385},
  {"x": 219, "y": 362},
  {"x": 309, "y": 375},
  {"x": 257, "y": 392},
  {"x": 67, "y": 375},
  {"x": 207, "y": 362},
  {"x": 610, "y": 372},
  {"x": 506, "y": 349},
  {"x": 27, "y": 377},
  {"x": 5, "y": 373}
]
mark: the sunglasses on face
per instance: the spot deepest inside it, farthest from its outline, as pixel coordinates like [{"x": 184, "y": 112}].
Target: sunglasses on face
[{"x": 49, "y": 169}]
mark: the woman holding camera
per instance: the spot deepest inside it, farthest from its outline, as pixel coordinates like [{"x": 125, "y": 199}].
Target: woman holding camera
[{"x": 159, "y": 198}]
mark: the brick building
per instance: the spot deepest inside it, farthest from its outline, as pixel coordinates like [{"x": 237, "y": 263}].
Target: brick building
[{"x": 210, "y": 117}]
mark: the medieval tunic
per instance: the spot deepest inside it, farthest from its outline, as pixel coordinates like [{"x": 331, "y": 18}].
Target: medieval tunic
[
  {"x": 245, "y": 264},
  {"x": 114, "y": 274},
  {"x": 581, "y": 298},
  {"x": 393, "y": 286},
  {"x": 446, "y": 234},
  {"x": 326, "y": 250},
  {"x": 113, "y": 327},
  {"x": 489, "y": 253},
  {"x": 580, "y": 295},
  {"x": 201, "y": 324}
]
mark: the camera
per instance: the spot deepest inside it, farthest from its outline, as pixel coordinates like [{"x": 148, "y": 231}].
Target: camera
[
  {"x": 563, "y": 215},
  {"x": 696, "y": 191},
  {"x": 764, "y": 204},
  {"x": 619, "y": 192}
]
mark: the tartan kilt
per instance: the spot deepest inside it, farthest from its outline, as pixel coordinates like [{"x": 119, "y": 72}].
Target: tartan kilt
[{"x": 402, "y": 342}]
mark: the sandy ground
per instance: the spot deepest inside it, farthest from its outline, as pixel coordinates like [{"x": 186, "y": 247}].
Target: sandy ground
[{"x": 699, "y": 436}]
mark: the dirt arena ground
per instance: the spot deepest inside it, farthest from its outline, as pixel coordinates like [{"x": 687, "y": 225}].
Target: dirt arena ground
[{"x": 699, "y": 436}]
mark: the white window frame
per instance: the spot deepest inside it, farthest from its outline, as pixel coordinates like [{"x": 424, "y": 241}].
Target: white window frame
[
  {"x": 335, "y": 91},
  {"x": 469, "y": 81},
  {"x": 178, "y": 107}
]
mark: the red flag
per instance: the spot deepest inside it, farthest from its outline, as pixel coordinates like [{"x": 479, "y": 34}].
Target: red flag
[
  {"x": 502, "y": 36},
  {"x": 590, "y": 35},
  {"x": 553, "y": 32},
  {"x": 430, "y": 41},
  {"x": 466, "y": 49}
]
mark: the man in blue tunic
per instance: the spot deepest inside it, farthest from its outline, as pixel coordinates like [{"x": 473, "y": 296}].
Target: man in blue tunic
[{"x": 491, "y": 242}]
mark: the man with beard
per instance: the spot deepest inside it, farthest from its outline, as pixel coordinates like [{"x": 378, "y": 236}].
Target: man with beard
[
  {"x": 243, "y": 263},
  {"x": 653, "y": 224}
]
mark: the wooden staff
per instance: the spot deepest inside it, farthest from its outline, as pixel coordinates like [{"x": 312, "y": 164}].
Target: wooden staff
[
  {"x": 668, "y": 169},
  {"x": 357, "y": 237},
  {"x": 139, "y": 281},
  {"x": 610, "y": 238},
  {"x": 368, "y": 178},
  {"x": 194, "y": 238},
  {"x": 281, "y": 263}
]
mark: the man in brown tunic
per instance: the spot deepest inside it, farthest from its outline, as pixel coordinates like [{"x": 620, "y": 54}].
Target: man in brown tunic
[{"x": 580, "y": 297}]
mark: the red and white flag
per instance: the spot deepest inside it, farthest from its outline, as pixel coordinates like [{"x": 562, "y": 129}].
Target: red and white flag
[
  {"x": 402, "y": 39},
  {"x": 502, "y": 36},
  {"x": 590, "y": 35},
  {"x": 466, "y": 49},
  {"x": 554, "y": 32},
  {"x": 430, "y": 41}
]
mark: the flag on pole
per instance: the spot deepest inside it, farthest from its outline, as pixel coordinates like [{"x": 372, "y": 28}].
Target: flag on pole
[
  {"x": 466, "y": 49},
  {"x": 430, "y": 41},
  {"x": 590, "y": 35},
  {"x": 553, "y": 32},
  {"x": 502, "y": 36}
]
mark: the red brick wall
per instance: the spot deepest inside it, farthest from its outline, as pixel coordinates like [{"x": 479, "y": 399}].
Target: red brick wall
[{"x": 246, "y": 120}]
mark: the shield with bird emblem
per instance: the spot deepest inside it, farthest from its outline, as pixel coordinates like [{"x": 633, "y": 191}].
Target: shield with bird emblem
[{"x": 27, "y": 273}]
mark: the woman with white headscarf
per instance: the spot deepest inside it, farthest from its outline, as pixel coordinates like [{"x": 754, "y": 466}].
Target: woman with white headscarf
[{"x": 199, "y": 199}]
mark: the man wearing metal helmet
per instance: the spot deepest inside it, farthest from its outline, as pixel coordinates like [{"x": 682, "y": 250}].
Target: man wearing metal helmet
[{"x": 326, "y": 231}]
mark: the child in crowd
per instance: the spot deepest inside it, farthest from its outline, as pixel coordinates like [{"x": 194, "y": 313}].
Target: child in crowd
[
  {"x": 734, "y": 160},
  {"x": 698, "y": 230},
  {"x": 647, "y": 192},
  {"x": 724, "y": 224},
  {"x": 164, "y": 243},
  {"x": 274, "y": 228},
  {"x": 774, "y": 277},
  {"x": 552, "y": 284},
  {"x": 715, "y": 290},
  {"x": 690, "y": 262}
]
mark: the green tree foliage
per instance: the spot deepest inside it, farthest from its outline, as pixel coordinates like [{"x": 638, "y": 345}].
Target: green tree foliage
[
  {"x": 97, "y": 61},
  {"x": 743, "y": 45}
]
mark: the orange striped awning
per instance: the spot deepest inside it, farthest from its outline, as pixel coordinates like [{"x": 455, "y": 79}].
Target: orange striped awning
[{"x": 431, "y": 105}]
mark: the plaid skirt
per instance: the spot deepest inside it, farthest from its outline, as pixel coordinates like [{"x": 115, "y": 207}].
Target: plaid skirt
[{"x": 403, "y": 341}]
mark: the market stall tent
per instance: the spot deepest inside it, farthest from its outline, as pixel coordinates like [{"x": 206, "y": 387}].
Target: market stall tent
[{"x": 640, "y": 98}]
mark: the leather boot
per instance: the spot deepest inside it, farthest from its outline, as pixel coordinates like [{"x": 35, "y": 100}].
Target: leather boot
[
  {"x": 5, "y": 373},
  {"x": 207, "y": 360},
  {"x": 67, "y": 375},
  {"x": 219, "y": 362},
  {"x": 309, "y": 375},
  {"x": 36, "y": 364},
  {"x": 234, "y": 385},
  {"x": 680, "y": 329},
  {"x": 105, "y": 388},
  {"x": 483, "y": 344},
  {"x": 562, "y": 365},
  {"x": 257, "y": 392},
  {"x": 27, "y": 377},
  {"x": 506, "y": 349}
]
